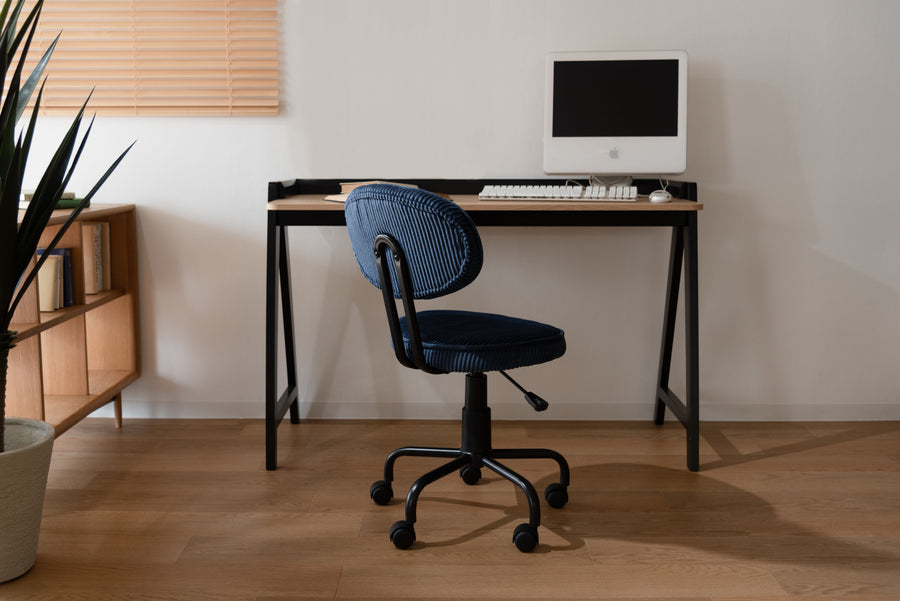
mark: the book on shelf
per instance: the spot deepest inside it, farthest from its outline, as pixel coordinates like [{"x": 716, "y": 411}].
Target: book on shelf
[
  {"x": 70, "y": 203},
  {"x": 95, "y": 246},
  {"x": 49, "y": 284},
  {"x": 66, "y": 284}
]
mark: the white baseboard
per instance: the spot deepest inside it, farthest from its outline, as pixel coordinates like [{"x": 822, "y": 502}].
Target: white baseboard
[{"x": 510, "y": 411}]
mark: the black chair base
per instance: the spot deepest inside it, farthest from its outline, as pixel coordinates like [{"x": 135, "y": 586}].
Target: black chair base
[{"x": 474, "y": 453}]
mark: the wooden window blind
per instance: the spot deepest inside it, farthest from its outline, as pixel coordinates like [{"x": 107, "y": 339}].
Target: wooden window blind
[{"x": 160, "y": 57}]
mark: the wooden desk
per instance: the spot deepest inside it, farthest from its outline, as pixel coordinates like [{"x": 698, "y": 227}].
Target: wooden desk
[{"x": 300, "y": 203}]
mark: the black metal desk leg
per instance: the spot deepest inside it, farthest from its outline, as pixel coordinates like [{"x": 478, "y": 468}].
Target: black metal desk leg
[
  {"x": 676, "y": 254},
  {"x": 272, "y": 248},
  {"x": 278, "y": 275},
  {"x": 683, "y": 254},
  {"x": 287, "y": 315},
  {"x": 692, "y": 344}
]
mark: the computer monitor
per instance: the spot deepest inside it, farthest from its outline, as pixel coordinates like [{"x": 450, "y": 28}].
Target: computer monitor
[{"x": 616, "y": 113}]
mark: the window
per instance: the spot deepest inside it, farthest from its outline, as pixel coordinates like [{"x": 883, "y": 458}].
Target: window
[{"x": 160, "y": 57}]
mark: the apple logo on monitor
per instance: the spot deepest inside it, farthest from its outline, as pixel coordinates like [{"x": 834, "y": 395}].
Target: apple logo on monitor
[{"x": 614, "y": 153}]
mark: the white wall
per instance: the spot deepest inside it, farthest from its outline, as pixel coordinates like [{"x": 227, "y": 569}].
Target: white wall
[{"x": 793, "y": 133}]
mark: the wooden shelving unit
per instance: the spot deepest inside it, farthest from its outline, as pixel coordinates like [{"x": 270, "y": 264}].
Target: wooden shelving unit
[{"x": 69, "y": 362}]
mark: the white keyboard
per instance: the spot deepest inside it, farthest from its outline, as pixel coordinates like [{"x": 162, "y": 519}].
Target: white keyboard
[{"x": 564, "y": 193}]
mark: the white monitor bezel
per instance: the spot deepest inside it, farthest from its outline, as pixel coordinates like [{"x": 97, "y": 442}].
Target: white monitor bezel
[{"x": 616, "y": 155}]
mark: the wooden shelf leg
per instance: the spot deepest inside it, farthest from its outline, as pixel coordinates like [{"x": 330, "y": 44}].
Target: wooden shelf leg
[{"x": 117, "y": 406}]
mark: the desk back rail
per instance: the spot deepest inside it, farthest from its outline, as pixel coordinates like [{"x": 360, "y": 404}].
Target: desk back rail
[{"x": 462, "y": 187}]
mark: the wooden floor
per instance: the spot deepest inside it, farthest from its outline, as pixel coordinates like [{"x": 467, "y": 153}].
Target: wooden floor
[{"x": 184, "y": 510}]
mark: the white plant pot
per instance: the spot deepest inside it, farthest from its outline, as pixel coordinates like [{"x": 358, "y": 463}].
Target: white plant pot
[{"x": 23, "y": 480}]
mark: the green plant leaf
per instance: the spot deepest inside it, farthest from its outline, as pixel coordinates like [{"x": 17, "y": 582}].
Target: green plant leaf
[
  {"x": 4, "y": 11},
  {"x": 13, "y": 21},
  {"x": 30, "y": 84}
]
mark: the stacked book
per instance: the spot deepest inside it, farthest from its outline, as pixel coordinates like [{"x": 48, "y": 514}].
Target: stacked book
[
  {"x": 67, "y": 200},
  {"x": 348, "y": 187}
]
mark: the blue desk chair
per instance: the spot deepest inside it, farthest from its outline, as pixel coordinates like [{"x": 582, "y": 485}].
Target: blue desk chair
[{"x": 414, "y": 245}]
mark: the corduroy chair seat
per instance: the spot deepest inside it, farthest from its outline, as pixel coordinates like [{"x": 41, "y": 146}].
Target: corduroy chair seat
[{"x": 467, "y": 342}]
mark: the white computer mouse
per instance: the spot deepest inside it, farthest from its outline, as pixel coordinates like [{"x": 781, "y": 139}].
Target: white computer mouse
[{"x": 660, "y": 196}]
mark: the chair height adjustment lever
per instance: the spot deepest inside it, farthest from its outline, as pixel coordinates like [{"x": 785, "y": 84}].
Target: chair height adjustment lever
[{"x": 536, "y": 402}]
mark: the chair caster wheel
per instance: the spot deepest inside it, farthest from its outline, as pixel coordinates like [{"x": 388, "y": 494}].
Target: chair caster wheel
[
  {"x": 402, "y": 534},
  {"x": 525, "y": 537},
  {"x": 381, "y": 492},
  {"x": 470, "y": 475},
  {"x": 556, "y": 495}
]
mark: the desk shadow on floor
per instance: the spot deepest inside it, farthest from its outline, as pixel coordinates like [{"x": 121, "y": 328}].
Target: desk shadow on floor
[
  {"x": 659, "y": 508},
  {"x": 717, "y": 436}
]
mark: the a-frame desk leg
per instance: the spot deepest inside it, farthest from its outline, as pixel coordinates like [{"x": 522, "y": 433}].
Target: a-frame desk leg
[
  {"x": 683, "y": 253},
  {"x": 278, "y": 275}
]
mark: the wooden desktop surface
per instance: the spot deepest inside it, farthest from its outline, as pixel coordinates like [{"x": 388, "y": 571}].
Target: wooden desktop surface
[{"x": 471, "y": 202}]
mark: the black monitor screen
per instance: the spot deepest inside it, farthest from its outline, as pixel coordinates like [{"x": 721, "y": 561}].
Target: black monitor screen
[{"x": 615, "y": 98}]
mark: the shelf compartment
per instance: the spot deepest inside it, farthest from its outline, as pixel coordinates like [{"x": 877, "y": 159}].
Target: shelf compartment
[
  {"x": 64, "y": 358},
  {"x": 111, "y": 336}
]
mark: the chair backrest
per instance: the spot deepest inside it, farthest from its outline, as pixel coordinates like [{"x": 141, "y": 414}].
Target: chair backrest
[{"x": 439, "y": 240}]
